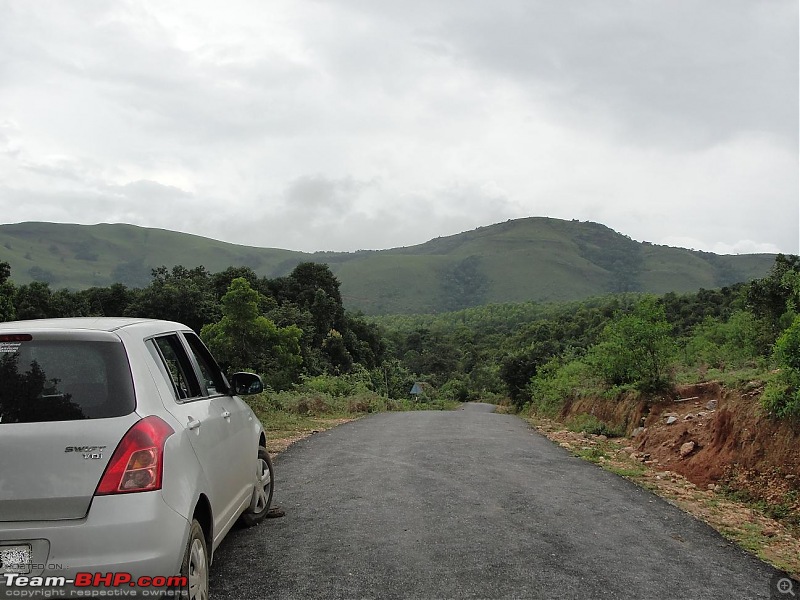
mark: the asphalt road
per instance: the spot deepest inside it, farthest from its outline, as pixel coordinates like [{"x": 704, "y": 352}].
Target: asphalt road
[{"x": 470, "y": 504}]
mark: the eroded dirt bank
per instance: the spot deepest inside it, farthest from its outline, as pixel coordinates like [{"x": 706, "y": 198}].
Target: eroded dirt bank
[{"x": 711, "y": 436}]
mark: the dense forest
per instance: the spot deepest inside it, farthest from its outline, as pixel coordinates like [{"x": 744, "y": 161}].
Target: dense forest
[{"x": 295, "y": 328}]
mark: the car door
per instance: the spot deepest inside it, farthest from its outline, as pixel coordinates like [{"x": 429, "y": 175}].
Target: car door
[
  {"x": 240, "y": 442},
  {"x": 204, "y": 423}
]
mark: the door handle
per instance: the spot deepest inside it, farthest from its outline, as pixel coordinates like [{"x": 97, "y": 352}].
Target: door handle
[
  {"x": 226, "y": 414},
  {"x": 193, "y": 424}
]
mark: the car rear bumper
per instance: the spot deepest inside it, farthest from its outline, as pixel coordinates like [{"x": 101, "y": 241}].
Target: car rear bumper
[{"x": 138, "y": 534}]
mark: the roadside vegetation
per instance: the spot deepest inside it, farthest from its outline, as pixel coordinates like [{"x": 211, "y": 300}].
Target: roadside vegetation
[
  {"x": 322, "y": 402},
  {"x": 321, "y": 365},
  {"x": 619, "y": 346},
  {"x": 324, "y": 365},
  {"x": 296, "y": 332}
]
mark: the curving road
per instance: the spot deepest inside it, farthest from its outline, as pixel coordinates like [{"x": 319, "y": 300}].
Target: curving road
[{"x": 470, "y": 504}]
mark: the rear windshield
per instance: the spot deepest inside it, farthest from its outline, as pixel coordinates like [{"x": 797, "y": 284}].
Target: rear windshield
[{"x": 63, "y": 381}]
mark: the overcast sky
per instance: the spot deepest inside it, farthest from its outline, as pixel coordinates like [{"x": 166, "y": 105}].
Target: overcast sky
[{"x": 369, "y": 124}]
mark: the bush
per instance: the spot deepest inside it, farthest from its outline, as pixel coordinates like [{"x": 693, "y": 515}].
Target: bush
[
  {"x": 585, "y": 423},
  {"x": 338, "y": 386},
  {"x": 456, "y": 390},
  {"x": 635, "y": 349},
  {"x": 409, "y": 405},
  {"x": 244, "y": 340},
  {"x": 366, "y": 403},
  {"x": 723, "y": 344},
  {"x": 557, "y": 381},
  {"x": 782, "y": 394}
]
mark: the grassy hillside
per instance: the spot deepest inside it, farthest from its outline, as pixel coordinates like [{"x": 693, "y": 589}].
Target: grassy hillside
[
  {"x": 80, "y": 256},
  {"x": 531, "y": 259},
  {"x": 537, "y": 259}
]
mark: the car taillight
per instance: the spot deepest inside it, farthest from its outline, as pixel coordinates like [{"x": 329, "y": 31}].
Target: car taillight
[
  {"x": 138, "y": 462},
  {"x": 16, "y": 337}
]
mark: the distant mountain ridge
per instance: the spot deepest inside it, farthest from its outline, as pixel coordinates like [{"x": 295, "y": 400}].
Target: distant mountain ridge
[{"x": 536, "y": 258}]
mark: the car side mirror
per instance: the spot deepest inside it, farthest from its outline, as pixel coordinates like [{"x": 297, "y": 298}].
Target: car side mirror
[{"x": 244, "y": 384}]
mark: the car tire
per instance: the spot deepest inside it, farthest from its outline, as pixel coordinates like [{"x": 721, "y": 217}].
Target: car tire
[
  {"x": 263, "y": 494},
  {"x": 196, "y": 563}
]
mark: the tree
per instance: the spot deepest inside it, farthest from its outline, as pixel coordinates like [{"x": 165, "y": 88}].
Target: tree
[
  {"x": 518, "y": 369},
  {"x": 182, "y": 295},
  {"x": 222, "y": 281},
  {"x": 7, "y": 293},
  {"x": 336, "y": 350},
  {"x": 110, "y": 301},
  {"x": 431, "y": 355},
  {"x": 34, "y": 301},
  {"x": 363, "y": 341},
  {"x": 773, "y": 296},
  {"x": 332, "y": 340},
  {"x": 782, "y": 394},
  {"x": 66, "y": 303},
  {"x": 245, "y": 340},
  {"x": 635, "y": 348},
  {"x": 312, "y": 287},
  {"x": 5, "y": 272}
]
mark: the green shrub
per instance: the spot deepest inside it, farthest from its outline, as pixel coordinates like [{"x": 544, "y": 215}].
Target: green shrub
[
  {"x": 366, "y": 403},
  {"x": 244, "y": 339},
  {"x": 725, "y": 344},
  {"x": 782, "y": 394},
  {"x": 557, "y": 381},
  {"x": 635, "y": 348},
  {"x": 585, "y": 423},
  {"x": 408, "y": 405},
  {"x": 338, "y": 386},
  {"x": 456, "y": 390}
]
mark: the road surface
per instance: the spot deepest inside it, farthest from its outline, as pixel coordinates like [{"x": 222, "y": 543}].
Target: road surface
[{"x": 471, "y": 504}]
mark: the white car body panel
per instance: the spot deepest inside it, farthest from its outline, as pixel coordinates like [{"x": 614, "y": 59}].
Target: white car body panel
[{"x": 47, "y": 492}]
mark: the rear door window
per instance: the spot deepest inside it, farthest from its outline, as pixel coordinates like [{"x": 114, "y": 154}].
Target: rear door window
[
  {"x": 179, "y": 367},
  {"x": 213, "y": 379},
  {"x": 63, "y": 380}
]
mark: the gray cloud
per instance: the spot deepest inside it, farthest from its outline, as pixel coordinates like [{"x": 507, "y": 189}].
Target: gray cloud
[
  {"x": 352, "y": 124},
  {"x": 707, "y": 70}
]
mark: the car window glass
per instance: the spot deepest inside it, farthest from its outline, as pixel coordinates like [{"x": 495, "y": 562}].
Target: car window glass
[
  {"x": 213, "y": 378},
  {"x": 54, "y": 380},
  {"x": 183, "y": 379}
]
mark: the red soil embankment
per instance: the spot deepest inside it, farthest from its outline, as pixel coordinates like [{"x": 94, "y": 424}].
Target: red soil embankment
[{"x": 709, "y": 435}]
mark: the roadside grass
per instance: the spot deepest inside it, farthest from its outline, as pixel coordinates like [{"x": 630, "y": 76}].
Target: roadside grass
[
  {"x": 291, "y": 416},
  {"x": 782, "y": 511},
  {"x": 747, "y": 535},
  {"x": 594, "y": 455},
  {"x": 769, "y": 531},
  {"x": 584, "y": 423},
  {"x": 631, "y": 472},
  {"x": 731, "y": 377}
]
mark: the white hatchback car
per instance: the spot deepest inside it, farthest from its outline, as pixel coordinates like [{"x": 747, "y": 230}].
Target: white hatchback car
[{"x": 123, "y": 449}]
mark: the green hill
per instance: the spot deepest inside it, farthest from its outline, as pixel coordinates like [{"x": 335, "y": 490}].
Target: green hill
[
  {"x": 537, "y": 259},
  {"x": 81, "y": 256}
]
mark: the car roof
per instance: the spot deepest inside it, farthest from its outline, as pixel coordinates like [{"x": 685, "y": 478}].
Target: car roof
[{"x": 108, "y": 324}]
